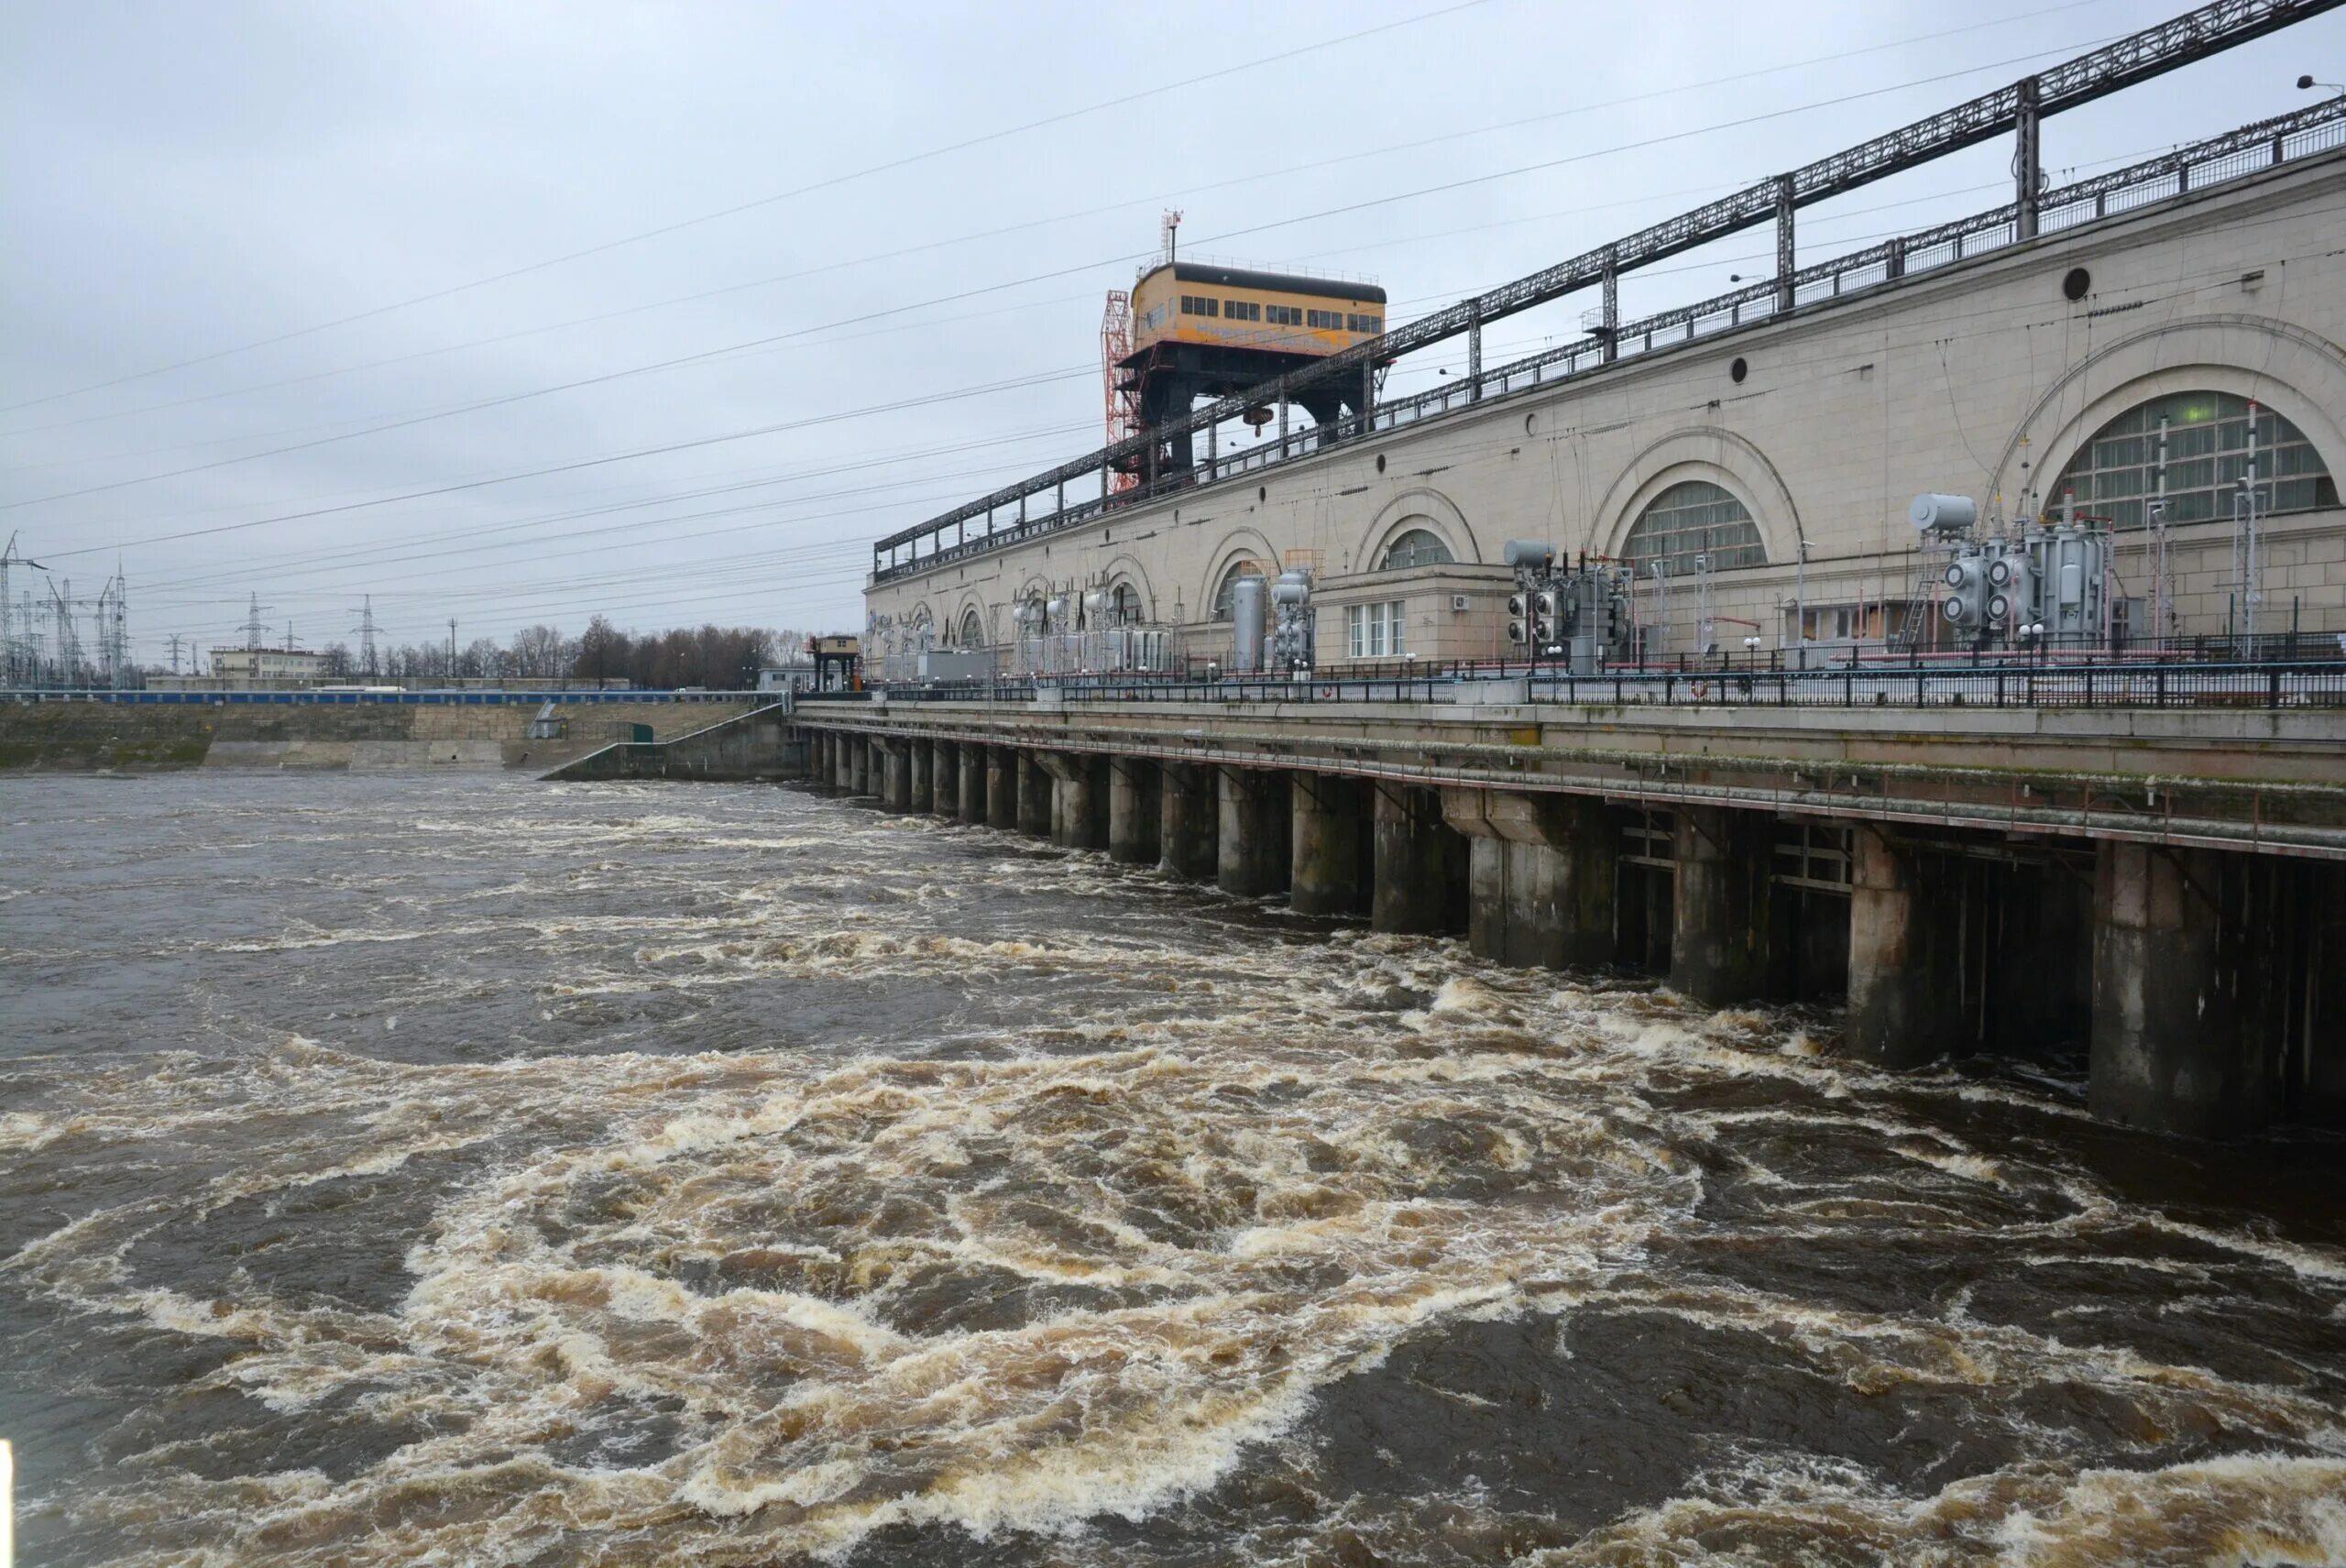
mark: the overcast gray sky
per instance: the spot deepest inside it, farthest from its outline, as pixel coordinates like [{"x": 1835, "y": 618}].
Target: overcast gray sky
[{"x": 270, "y": 259}]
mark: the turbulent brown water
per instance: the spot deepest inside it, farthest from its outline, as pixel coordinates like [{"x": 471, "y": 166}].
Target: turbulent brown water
[{"x": 476, "y": 1171}]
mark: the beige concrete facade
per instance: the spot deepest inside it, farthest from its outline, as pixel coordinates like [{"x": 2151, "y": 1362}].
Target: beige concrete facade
[{"x": 1980, "y": 379}]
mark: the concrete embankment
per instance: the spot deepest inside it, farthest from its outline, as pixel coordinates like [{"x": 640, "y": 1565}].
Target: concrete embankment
[
  {"x": 89, "y": 737},
  {"x": 761, "y": 744}
]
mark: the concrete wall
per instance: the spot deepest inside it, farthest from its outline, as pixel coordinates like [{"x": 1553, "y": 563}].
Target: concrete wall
[
  {"x": 85, "y": 736},
  {"x": 1980, "y": 379},
  {"x": 759, "y": 744}
]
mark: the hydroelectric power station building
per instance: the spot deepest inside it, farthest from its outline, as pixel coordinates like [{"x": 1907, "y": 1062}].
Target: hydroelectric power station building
[{"x": 1950, "y": 626}]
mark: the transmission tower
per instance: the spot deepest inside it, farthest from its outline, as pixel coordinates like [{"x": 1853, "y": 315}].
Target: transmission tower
[
  {"x": 366, "y": 630},
  {"x": 67, "y": 646},
  {"x": 110, "y": 618},
  {"x": 17, "y": 662},
  {"x": 252, "y": 625},
  {"x": 175, "y": 641}
]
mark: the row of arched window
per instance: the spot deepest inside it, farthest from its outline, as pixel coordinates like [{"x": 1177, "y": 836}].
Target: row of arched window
[{"x": 2189, "y": 449}]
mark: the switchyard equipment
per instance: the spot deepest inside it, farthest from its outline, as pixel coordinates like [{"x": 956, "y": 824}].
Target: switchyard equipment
[
  {"x": 1247, "y": 600},
  {"x": 2045, "y": 585},
  {"x": 1295, "y": 624},
  {"x": 1578, "y": 614}
]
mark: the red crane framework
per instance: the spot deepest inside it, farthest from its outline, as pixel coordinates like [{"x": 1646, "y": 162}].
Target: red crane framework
[{"x": 1122, "y": 401}]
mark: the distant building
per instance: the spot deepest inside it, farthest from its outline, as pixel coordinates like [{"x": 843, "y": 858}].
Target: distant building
[
  {"x": 790, "y": 676},
  {"x": 266, "y": 666}
]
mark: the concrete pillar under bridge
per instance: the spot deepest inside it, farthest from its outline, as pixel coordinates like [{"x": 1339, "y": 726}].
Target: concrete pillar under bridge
[
  {"x": 1960, "y": 943},
  {"x": 1420, "y": 869},
  {"x": 1079, "y": 783},
  {"x": 1540, "y": 876},
  {"x": 1002, "y": 787},
  {"x": 919, "y": 756},
  {"x": 859, "y": 763},
  {"x": 944, "y": 778},
  {"x": 1721, "y": 947},
  {"x": 1332, "y": 850},
  {"x": 1135, "y": 810},
  {"x": 896, "y": 775},
  {"x": 1907, "y": 997},
  {"x": 1188, "y": 820},
  {"x": 971, "y": 773},
  {"x": 2216, "y": 1005},
  {"x": 1253, "y": 854},
  {"x": 1034, "y": 795}
]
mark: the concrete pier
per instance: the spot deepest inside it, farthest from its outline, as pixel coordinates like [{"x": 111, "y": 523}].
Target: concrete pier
[
  {"x": 1135, "y": 810},
  {"x": 919, "y": 757},
  {"x": 1251, "y": 851},
  {"x": 972, "y": 771},
  {"x": 1906, "y": 952},
  {"x": 1540, "y": 877},
  {"x": 1078, "y": 799},
  {"x": 2185, "y": 1010},
  {"x": 1189, "y": 821},
  {"x": 945, "y": 782},
  {"x": 1002, "y": 787},
  {"x": 1719, "y": 952},
  {"x": 859, "y": 761},
  {"x": 896, "y": 776},
  {"x": 1035, "y": 795},
  {"x": 1419, "y": 864},
  {"x": 1330, "y": 862}
]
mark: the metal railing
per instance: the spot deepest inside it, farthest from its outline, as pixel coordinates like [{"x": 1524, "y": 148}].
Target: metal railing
[
  {"x": 2250, "y": 150},
  {"x": 424, "y": 698},
  {"x": 2304, "y": 683}
]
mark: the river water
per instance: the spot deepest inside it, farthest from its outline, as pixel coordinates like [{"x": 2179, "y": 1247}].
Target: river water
[{"x": 469, "y": 1170}]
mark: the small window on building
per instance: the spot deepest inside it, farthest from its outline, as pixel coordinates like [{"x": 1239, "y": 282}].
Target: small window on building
[
  {"x": 1324, "y": 321},
  {"x": 1377, "y": 631},
  {"x": 1417, "y": 547},
  {"x": 1365, "y": 324}
]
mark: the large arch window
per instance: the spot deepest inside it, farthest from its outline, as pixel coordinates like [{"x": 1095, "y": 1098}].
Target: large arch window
[
  {"x": 1417, "y": 547},
  {"x": 1695, "y": 518},
  {"x": 1230, "y": 581},
  {"x": 2198, "y": 441},
  {"x": 973, "y": 629}
]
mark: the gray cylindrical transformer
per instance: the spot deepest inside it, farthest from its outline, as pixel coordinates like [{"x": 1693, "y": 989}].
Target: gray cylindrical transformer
[
  {"x": 1943, "y": 514},
  {"x": 1247, "y": 599}
]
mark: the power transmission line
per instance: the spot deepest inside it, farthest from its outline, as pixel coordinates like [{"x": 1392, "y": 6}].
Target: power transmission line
[
  {"x": 708, "y": 355},
  {"x": 830, "y": 182}
]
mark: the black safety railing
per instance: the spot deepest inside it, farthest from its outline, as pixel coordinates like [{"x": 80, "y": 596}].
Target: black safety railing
[{"x": 2304, "y": 683}]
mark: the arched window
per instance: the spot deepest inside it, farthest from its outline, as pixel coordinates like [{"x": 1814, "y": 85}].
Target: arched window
[
  {"x": 2205, "y": 455},
  {"x": 1694, "y": 518},
  {"x": 1416, "y": 548},
  {"x": 973, "y": 629},
  {"x": 1229, "y": 581},
  {"x": 1123, "y": 606}
]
